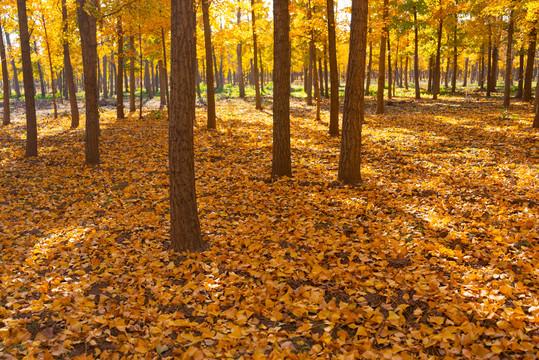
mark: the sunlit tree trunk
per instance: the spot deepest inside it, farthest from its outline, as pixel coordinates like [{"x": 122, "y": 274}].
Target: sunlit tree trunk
[
  {"x": 88, "y": 31},
  {"x": 69, "y": 73},
  {"x": 389, "y": 70},
  {"x": 258, "y": 101},
  {"x": 437, "y": 65},
  {"x": 369, "y": 71},
  {"x": 455, "y": 63},
  {"x": 184, "y": 222},
  {"x": 132, "y": 105},
  {"x": 353, "y": 113},
  {"x": 527, "y": 94},
  {"x": 5, "y": 77},
  {"x": 382, "y": 62},
  {"x": 509, "y": 60},
  {"x": 333, "y": 70},
  {"x": 416, "y": 56},
  {"x": 14, "y": 67},
  {"x": 520, "y": 86},
  {"x": 119, "y": 81},
  {"x": 281, "y": 163},
  {"x": 211, "y": 123},
  {"x": 40, "y": 72},
  {"x": 465, "y": 80},
  {"x": 165, "y": 67},
  {"x": 241, "y": 82}
]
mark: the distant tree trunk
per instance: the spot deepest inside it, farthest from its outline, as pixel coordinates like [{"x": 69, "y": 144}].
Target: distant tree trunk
[
  {"x": 389, "y": 70},
  {"x": 5, "y": 77},
  {"x": 184, "y": 222},
  {"x": 406, "y": 73},
  {"x": 535, "y": 124},
  {"x": 50, "y": 67},
  {"x": 261, "y": 72},
  {"x": 14, "y": 67},
  {"x": 132, "y": 105},
  {"x": 334, "y": 76},
  {"x": 527, "y": 94},
  {"x": 369, "y": 71},
  {"x": 119, "y": 80},
  {"x": 141, "y": 69},
  {"x": 216, "y": 72},
  {"x": 382, "y": 62},
  {"x": 88, "y": 31},
  {"x": 447, "y": 73},
  {"x": 28, "y": 78},
  {"x": 258, "y": 101},
  {"x": 320, "y": 77},
  {"x": 212, "y": 123},
  {"x": 147, "y": 80},
  {"x": 281, "y": 163},
  {"x": 105, "y": 77},
  {"x": 69, "y": 73},
  {"x": 465, "y": 80},
  {"x": 416, "y": 57},
  {"x": 509, "y": 60},
  {"x": 431, "y": 74},
  {"x": 326, "y": 74},
  {"x": 162, "y": 84},
  {"x": 199, "y": 94},
  {"x": 165, "y": 68},
  {"x": 520, "y": 75},
  {"x": 241, "y": 83},
  {"x": 482, "y": 72},
  {"x": 315, "y": 80},
  {"x": 455, "y": 63},
  {"x": 39, "y": 71},
  {"x": 437, "y": 65},
  {"x": 353, "y": 113}
]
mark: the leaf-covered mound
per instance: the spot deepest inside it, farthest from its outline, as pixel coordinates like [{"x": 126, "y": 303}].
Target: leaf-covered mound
[{"x": 434, "y": 255}]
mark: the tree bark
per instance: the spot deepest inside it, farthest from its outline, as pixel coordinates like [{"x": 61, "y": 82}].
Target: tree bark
[
  {"x": 141, "y": 69},
  {"x": 437, "y": 66},
  {"x": 184, "y": 222},
  {"x": 382, "y": 62},
  {"x": 28, "y": 78},
  {"x": 353, "y": 113},
  {"x": 88, "y": 31},
  {"x": 527, "y": 94},
  {"x": 132, "y": 105},
  {"x": 509, "y": 60},
  {"x": 212, "y": 123},
  {"x": 119, "y": 81},
  {"x": 241, "y": 82},
  {"x": 162, "y": 80},
  {"x": 416, "y": 56},
  {"x": 69, "y": 73},
  {"x": 281, "y": 163},
  {"x": 389, "y": 70},
  {"x": 5, "y": 76},
  {"x": 105, "y": 77},
  {"x": 465, "y": 80},
  {"x": 333, "y": 70}
]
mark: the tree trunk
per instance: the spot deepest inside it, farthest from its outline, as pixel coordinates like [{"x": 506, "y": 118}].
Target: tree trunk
[
  {"x": 389, "y": 70},
  {"x": 334, "y": 76},
  {"x": 5, "y": 77},
  {"x": 132, "y": 105},
  {"x": 326, "y": 74},
  {"x": 28, "y": 78},
  {"x": 51, "y": 69},
  {"x": 141, "y": 69},
  {"x": 416, "y": 57},
  {"x": 147, "y": 80},
  {"x": 437, "y": 66},
  {"x": 527, "y": 94},
  {"x": 353, "y": 113},
  {"x": 14, "y": 67},
  {"x": 184, "y": 223},
  {"x": 162, "y": 81},
  {"x": 212, "y": 123},
  {"x": 465, "y": 80},
  {"x": 165, "y": 68},
  {"x": 382, "y": 62},
  {"x": 69, "y": 73},
  {"x": 88, "y": 31},
  {"x": 431, "y": 74},
  {"x": 369, "y": 71},
  {"x": 241, "y": 82},
  {"x": 520, "y": 75},
  {"x": 199, "y": 94},
  {"x": 119, "y": 78},
  {"x": 281, "y": 163},
  {"x": 482, "y": 72},
  {"x": 455, "y": 63},
  {"x": 406, "y": 73},
  {"x": 509, "y": 60},
  {"x": 105, "y": 77},
  {"x": 315, "y": 80},
  {"x": 255, "y": 55},
  {"x": 40, "y": 72}
]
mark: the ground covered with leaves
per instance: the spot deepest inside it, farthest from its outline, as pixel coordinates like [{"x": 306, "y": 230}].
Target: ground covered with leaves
[{"x": 434, "y": 255}]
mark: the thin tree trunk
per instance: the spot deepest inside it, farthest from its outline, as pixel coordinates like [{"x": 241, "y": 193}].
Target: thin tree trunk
[
  {"x": 527, "y": 94},
  {"x": 353, "y": 113},
  {"x": 326, "y": 74},
  {"x": 51, "y": 69},
  {"x": 258, "y": 101},
  {"x": 119, "y": 78},
  {"x": 520, "y": 75},
  {"x": 465, "y": 81},
  {"x": 5, "y": 77},
  {"x": 28, "y": 78},
  {"x": 509, "y": 60},
  {"x": 105, "y": 77},
  {"x": 382, "y": 62},
  {"x": 416, "y": 57},
  {"x": 40, "y": 72},
  {"x": 88, "y": 31},
  {"x": 165, "y": 68},
  {"x": 212, "y": 123},
  {"x": 455, "y": 64},
  {"x": 309, "y": 89},
  {"x": 184, "y": 222},
  {"x": 141, "y": 69},
  {"x": 69, "y": 73},
  {"x": 199, "y": 94},
  {"x": 369, "y": 71},
  {"x": 437, "y": 66},
  {"x": 281, "y": 163},
  {"x": 162, "y": 82},
  {"x": 241, "y": 82},
  {"x": 132, "y": 105},
  {"x": 389, "y": 70},
  {"x": 334, "y": 76},
  {"x": 14, "y": 67},
  {"x": 406, "y": 73},
  {"x": 315, "y": 81}
]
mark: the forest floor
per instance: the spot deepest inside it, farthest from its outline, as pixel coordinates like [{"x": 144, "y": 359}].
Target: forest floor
[{"x": 434, "y": 255}]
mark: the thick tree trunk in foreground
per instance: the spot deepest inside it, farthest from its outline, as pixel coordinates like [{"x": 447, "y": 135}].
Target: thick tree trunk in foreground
[
  {"x": 184, "y": 222},
  {"x": 281, "y": 164},
  {"x": 350, "y": 155},
  {"x": 212, "y": 123},
  {"x": 333, "y": 72},
  {"x": 382, "y": 63},
  {"x": 5, "y": 77},
  {"x": 509, "y": 61},
  {"x": 69, "y": 74},
  {"x": 88, "y": 31},
  {"x": 28, "y": 78},
  {"x": 119, "y": 78}
]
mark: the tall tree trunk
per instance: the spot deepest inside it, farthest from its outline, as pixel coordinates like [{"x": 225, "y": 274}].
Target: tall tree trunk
[
  {"x": 119, "y": 81},
  {"x": 212, "y": 123},
  {"x": 389, "y": 69},
  {"x": 520, "y": 74},
  {"x": 315, "y": 80},
  {"x": 369, "y": 71},
  {"x": 40, "y": 72},
  {"x": 28, "y": 78},
  {"x": 147, "y": 80},
  {"x": 334, "y": 76},
  {"x": 353, "y": 113},
  {"x": 437, "y": 65},
  {"x": 88, "y": 31},
  {"x": 406, "y": 73},
  {"x": 165, "y": 67},
  {"x": 5, "y": 77},
  {"x": 132, "y": 105},
  {"x": 509, "y": 60},
  {"x": 527, "y": 94},
  {"x": 184, "y": 222},
  {"x": 431, "y": 74},
  {"x": 416, "y": 57},
  {"x": 455, "y": 63},
  {"x": 382, "y": 62},
  {"x": 141, "y": 69},
  {"x": 482, "y": 72},
  {"x": 162, "y": 81},
  {"x": 105, "y": 77},
  {"x": 51, "y": 69},
  {"x": 258, "y": 101},
  {"x": 281, "y": 163},
  {"x": 14, "y": 67},
  {"x": 241, "y": 82},
  {"x": 326, "y": 74},
  {"x": 69, "y": 73},
  {"x": 197, "y": 79},
  {"x": 309, "y": 83},
  {"x": 465, "y": 80}
]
